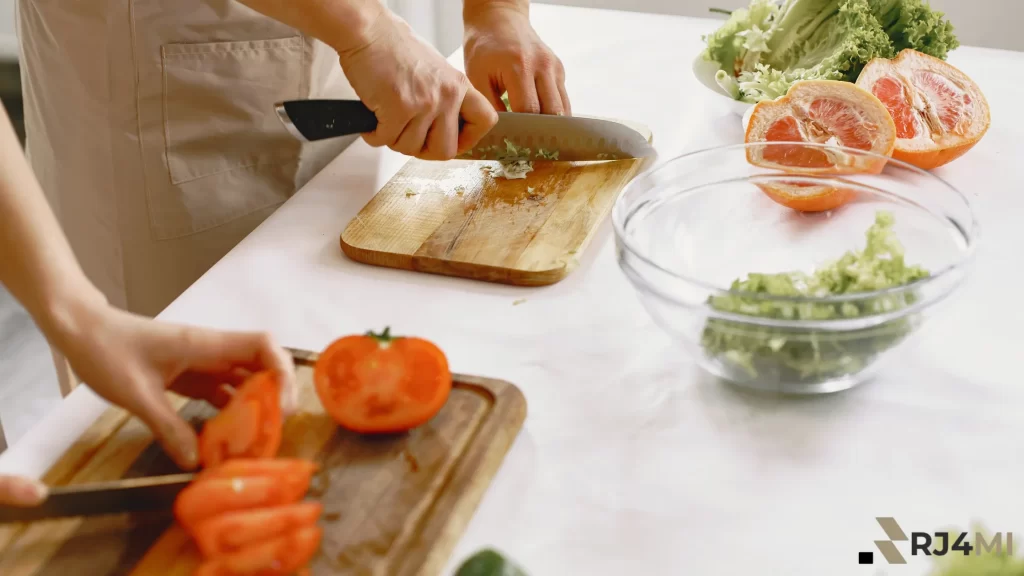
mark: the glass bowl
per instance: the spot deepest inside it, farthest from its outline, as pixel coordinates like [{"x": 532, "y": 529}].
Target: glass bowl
[{"x": 689, "y": 228}]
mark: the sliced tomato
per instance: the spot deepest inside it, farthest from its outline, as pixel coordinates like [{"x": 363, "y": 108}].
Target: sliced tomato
[
  {"x": 378, "y": 383},
  {"x": 285, "y": 469},
  {"x": 282, "y": 556},
  {"x": 203, "y": 500},
  {"x": 249, "y": 426},
  {"x": 231, "y": 531}
]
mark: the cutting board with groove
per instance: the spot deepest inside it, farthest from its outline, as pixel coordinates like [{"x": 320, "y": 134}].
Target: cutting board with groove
[
  {"x": 393, "y": 505},
  {"x": 454, "y": 218}
]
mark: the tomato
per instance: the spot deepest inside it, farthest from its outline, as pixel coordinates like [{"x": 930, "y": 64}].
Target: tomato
[
  {"x": 378, "y": 383},
  {"x": 234, "y": 530},
  {"x": 202, "y": 500},
  {"x": 284, "y": 469},
  {"x": 248, "y": 427},
  {"x": 281, "y": 556}
]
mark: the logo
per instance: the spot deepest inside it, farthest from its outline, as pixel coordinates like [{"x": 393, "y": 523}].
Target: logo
[{"x": 935, "y": 543}]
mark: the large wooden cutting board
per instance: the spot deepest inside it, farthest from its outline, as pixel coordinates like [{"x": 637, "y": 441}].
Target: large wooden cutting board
[
  {"x": 454, "y": 218},
  {"x": 393, "y": 506}
]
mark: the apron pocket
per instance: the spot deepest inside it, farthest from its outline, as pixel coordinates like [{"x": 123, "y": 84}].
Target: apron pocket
[{"x": 224, "y": 152}]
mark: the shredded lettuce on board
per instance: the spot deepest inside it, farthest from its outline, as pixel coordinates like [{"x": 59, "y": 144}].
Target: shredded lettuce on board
[
  {"x": 803, "y": 354},
  {"x": 763, "y": 49}
]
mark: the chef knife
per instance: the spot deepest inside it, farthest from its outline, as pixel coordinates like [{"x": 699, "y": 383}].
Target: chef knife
[
  {"x": 574, "y": 138},
  {"x": 102, "y": 498}
]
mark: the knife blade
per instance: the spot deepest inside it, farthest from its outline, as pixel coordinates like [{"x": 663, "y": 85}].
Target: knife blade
[
  {"x": 573, "y": 138},
  {"x": 102, "y": 498}
]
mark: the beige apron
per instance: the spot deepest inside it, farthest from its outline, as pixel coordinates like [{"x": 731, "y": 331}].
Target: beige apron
[{"x": 150, "y": 125}]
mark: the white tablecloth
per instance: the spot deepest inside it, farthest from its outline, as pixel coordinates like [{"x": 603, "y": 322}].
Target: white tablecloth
[{"x": 631, "y": 460}]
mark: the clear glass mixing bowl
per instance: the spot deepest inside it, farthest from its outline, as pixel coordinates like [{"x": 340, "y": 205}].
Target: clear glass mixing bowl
[{"x": 689, "y": 227}]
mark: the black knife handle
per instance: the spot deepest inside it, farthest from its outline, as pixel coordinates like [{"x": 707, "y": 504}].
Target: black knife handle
[{"x": 322, "y": 119}]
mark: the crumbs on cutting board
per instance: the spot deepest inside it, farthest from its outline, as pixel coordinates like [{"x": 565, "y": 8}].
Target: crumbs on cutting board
[
  {"x": 518, "y": 302},
  {"x": 409, "y": 193}
]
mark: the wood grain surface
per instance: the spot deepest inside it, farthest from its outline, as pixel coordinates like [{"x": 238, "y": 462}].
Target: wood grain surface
[
  {"x": 393, "y": 505},
  {"x": 455, "y": 218}
]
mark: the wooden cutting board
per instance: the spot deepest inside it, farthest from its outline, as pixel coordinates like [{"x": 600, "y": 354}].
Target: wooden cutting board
[
  {"x": 393, "y": 506},
  {"x": 454, "y": 218}
]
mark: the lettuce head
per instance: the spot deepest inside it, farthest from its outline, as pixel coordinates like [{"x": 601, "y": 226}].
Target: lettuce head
[{"x": 763, "y": 49}]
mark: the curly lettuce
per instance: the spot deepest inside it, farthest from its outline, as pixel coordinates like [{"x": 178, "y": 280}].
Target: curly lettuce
[
  {"x": 913, "y": 24},
  {"x": 763, "y": 49}
]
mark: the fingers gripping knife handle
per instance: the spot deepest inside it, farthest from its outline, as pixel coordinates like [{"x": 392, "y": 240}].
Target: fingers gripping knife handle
[{"x": 312, "y": 120}]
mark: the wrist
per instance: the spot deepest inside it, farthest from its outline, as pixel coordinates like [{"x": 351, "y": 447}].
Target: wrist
[
  {"x": 67, "y": 315},
  {"x": 362, "y": 23},
  {"x": 476, "y": 13}
]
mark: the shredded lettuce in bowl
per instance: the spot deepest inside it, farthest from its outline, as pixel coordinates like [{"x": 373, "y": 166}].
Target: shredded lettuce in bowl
[{"x": 806, "y": 355}]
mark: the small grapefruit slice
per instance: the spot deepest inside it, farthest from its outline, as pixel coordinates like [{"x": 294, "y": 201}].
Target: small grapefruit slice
[
  {"x": 807, "y": 197},
  {"x": 939, "y": 112},
  {"x": 820, "y": 112}
]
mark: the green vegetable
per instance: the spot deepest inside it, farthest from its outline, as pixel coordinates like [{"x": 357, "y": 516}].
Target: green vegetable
[
  {"x": 504, "y": 98},
  {"x": 489, "y": 562},
  {"x": 988, "y": 563},
  {"x": 807, "y": 355},
  {"x": 912, "y": 24},
  {"x": 763, "y": 49}
]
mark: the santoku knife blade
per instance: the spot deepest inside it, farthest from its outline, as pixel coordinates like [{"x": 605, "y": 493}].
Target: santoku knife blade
[
  {"x": 103, "y": 498},
  {"x": 569, "y": 138}
]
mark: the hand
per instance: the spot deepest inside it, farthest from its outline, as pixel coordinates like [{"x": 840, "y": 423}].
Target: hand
[
  {"x": 415, "y": 93},
  {"x": 503, "y": 53},
  {"x": 19, "y": 491},
  {"x": 131, "y": 361}
]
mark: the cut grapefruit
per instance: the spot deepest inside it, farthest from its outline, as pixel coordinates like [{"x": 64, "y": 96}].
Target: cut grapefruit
[
  {"x": 939, "y": 112},
  {"x": 827, "y": 112}
]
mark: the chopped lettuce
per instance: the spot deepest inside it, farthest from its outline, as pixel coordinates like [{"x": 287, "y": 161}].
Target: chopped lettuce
[
  {"x": 763, "y": 49},
  {"x": 987, "y": 563},
  {"x": 810, "y": 355}
]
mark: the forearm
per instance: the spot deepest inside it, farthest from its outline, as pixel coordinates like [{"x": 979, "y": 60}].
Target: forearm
[
  {"x": 344, "y": 25},
  {"x": 472, "y": 9},
  {"x": 36, "y": 262}
]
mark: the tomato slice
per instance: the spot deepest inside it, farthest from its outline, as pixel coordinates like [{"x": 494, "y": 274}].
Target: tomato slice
[
  {"x": 378, "y": 383},
  {"x": 231, "y": 531},
  {"x": 202, "y": 500},
  {"x": 249, "y": 426},
  {"x": 293, "y": 469},
  {"x": 282, "y": 556}
]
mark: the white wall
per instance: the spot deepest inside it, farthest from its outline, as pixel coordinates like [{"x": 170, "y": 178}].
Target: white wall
[
  {"x": 989, "y": 23},
  {"x": 8, "y": 39}
]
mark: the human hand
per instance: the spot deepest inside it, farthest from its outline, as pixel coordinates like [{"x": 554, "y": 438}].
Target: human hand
[
  {"x": 131, "y": 361},
  {"x": 20, "y": 491},
  {"x": 504, "y": 53},
  {"x": 415, "y": 93}
]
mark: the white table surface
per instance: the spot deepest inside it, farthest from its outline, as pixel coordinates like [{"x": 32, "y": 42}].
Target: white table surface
[{"x": 631, "y": 461}]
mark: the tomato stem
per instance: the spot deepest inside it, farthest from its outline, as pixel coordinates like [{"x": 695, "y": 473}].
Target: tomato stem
[{"x": 384, "y": 337}]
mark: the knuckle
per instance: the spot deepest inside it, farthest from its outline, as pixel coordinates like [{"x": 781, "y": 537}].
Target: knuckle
[
  {"x": 264, "y": 341},
  {"x": 450, "y": 90},
  {"x": 545, "y": 63}
]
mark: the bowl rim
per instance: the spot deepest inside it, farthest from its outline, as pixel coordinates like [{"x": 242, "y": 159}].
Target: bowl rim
[
  {"x": 708, "y": 82},
  {"x": 972, "y": 237}
]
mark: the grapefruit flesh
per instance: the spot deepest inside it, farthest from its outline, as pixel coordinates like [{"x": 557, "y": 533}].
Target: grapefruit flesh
[
  {"x": 834, "y": 113},
  {"x": 939, "y": 112}
]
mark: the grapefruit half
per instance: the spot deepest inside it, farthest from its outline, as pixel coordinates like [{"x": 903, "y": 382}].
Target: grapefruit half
[
  {"x": 939, "y": 112},
  {"x": 839, "y": 114}
]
